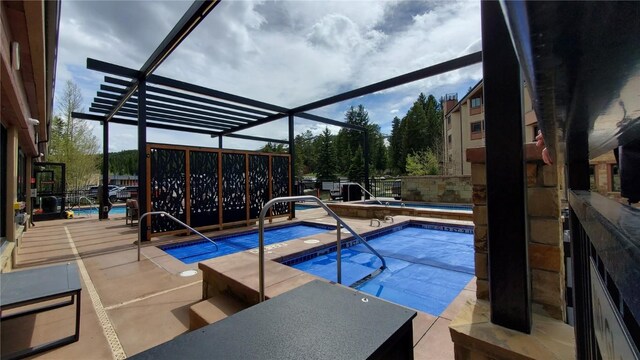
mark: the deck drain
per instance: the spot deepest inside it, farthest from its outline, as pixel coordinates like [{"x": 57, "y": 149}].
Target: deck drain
[
  {"x": 311, "y": 241},
  {"x": 188, "y": 273}
]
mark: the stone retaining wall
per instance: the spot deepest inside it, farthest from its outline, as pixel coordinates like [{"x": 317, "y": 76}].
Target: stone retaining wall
[{"x": 437, "y": 189}]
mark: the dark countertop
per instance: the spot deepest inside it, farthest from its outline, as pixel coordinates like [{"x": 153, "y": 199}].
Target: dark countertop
[{"x": 318, "y": 320}]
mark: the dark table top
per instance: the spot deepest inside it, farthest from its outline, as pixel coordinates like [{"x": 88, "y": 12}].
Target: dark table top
[
  {"x": 25, "y": 285},
  {"x": 315, "y": 321}
]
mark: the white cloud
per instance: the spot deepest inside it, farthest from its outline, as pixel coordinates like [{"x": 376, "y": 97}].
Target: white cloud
[{"x": 287, "y": 53}]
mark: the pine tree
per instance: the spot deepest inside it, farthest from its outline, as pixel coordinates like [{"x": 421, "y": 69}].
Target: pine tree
[
  {"x": 326, "y": 169},
  {"x": 356, "y": 168},
  {"x": 395, "y": 147}
]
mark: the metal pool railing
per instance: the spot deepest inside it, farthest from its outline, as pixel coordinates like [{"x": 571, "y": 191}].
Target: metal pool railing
[
  {"x": 164, "y": 213},
  {"x": 340, "y": 222}
]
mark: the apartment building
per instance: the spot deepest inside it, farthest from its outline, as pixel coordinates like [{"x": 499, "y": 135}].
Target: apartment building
[
  {"x": 464, "y": 127},
  {"x": 28, "y": 42}
]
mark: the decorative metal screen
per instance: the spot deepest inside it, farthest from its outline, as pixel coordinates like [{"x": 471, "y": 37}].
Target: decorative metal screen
[
  {"x": 168, "y": 186},
  {"x": 280, "y": 183},
  {"x": 203, "y": 182},
  {"x": 258, "y": 183},
  {"x": 234, "y": 187},
  {"x": 222, "y": 186}
]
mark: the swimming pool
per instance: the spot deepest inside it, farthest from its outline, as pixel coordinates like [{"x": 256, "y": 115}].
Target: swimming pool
[
  {"x": 428, "y": 265},
  {"x": 305, "y": 206},
  {"x": 200, "y": 250},
  {"x": 116, "y": 210}
]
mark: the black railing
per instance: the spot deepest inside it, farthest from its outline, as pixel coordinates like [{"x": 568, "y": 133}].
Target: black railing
[
  {"x": 605, "y": 237},
  {"x": 386, "y": 188}
]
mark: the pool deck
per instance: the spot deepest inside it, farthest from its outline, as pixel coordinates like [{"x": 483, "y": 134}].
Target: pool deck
[{"x": 130, "y": 306}]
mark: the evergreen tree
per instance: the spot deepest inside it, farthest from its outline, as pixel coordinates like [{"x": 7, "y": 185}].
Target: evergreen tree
[
  {"x": 124, "y": 162},
  {"x": 356, "y": 168},
  {"x": 305, "y": 156},
  {"x": 326, "y": 167},
  {"x": 343, "y": 152},
  {"x": 271, "y": 148},
  {"x": 350, "y": 141},
  {"x": 415, "y": 136},
  {"x": 395, "y": 147},
  {"x": 72, "y": 142}
]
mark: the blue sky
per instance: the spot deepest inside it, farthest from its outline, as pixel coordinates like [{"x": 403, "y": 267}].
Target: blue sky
[{"x": 287, "y": 53}]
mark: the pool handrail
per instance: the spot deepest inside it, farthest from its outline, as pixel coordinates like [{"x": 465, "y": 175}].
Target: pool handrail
[
  {"x": 365, "y": 190},
  {"x": 290, "y": 199},
  {"x": 91, "y": 204},
  {"x": 164, "y": 213}
]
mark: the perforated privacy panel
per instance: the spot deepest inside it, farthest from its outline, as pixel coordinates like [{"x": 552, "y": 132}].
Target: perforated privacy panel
[
  {"x": 203, "y": 183},
  {"x": 258, "y": 183},
  {"x": 168, "y": 187},
  {"x": 280, "y": 183},
  {"x": 234, "y": 187},
  {"x": 221, "y": 185}
]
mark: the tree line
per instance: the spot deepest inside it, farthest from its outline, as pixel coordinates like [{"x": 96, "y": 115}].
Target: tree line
[{"x": 414, "y": 146}]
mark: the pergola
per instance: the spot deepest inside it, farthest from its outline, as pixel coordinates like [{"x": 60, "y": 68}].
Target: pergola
[{"x": 142, "y": 99}]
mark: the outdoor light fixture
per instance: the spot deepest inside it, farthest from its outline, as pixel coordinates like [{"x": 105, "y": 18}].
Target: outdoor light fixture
[
  {"x": 32, "y": 121},
  {"x": 15, "y": 55}
]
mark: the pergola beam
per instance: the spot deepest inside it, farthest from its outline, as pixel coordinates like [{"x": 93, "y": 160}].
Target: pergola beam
[
  {"x": 118, "y": 120},
  {"x": 328, "y": 121},
  {"x": 161, "y": 117},
  {"x": 159, "y": 108},
  {"x": 163, "y": 101},
  {"x": 191, "y": 18},
  {"x": 429, "y": 71},
  {"x": 177, "y": 84},
  {"x": 254, "y": 138}
]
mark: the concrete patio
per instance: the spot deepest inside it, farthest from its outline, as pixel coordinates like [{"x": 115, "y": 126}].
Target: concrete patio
[{"x": 130, "y": 306}]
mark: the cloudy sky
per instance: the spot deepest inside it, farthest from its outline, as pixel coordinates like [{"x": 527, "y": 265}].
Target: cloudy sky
[{"x": 287, "y": 53}]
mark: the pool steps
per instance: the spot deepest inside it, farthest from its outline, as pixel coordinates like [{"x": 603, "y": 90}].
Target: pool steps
[
  {"x": 233, "y": 279},
  {"x": 213, "y": 309}
]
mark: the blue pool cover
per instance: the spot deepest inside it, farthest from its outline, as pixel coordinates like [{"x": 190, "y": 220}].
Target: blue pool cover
[
  {"x": 202, "y": 250},
  {"x": 426, "y": 270}
]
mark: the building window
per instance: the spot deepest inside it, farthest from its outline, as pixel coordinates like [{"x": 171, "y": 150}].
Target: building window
[
  {"x": 592, "y": 178},
  {"x": 449, "y": 139},
  {"x": 448, "y": 122},
  {"x": 476, "y": 106},
  {"x": 476, "y": 130},
  {"x": 615, "y": 178}
]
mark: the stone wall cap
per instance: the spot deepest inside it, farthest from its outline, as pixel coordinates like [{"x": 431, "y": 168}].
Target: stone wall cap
[{"x": 478, "y": 155}]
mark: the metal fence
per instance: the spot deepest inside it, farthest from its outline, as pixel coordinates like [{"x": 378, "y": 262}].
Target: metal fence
[{"x": 386, "y": 188}]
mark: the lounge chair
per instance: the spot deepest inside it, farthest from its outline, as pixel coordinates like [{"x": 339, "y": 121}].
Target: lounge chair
[{"x": 132, "y": 211}]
